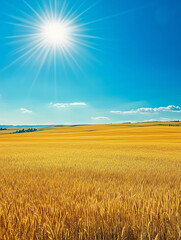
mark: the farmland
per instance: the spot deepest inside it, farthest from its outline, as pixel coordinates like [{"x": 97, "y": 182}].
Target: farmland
[{"x": 117, "y": 181}]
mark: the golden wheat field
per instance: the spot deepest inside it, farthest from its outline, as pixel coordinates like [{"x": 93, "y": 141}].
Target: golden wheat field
[{"x": 91, "y": 182}]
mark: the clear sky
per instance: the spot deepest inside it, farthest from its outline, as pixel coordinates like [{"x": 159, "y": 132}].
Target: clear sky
[{"x": 73, "y": 62}]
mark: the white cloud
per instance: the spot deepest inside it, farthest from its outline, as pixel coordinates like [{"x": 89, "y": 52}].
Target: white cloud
[
  {"x": 165, "y": 119},
  {"x": 124, "y": 112},
  {"x": 100, "y": 118},
  {"x": 24, "y": 110},
  {"x": 151, "y": 120},
  {"x": 65, "y": 105},
  {"x": 170, "y": 108},
  {"x": 78, "y": 104}
]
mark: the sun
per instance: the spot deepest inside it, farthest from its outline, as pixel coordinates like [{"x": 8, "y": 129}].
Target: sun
[{"x": 55, "y": 33}]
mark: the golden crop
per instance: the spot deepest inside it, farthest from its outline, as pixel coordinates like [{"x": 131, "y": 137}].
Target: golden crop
[{"x": 92, "y": 182}]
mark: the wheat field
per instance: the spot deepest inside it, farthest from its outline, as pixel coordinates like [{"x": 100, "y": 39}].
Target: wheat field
[{"x": 103, "y": 182}]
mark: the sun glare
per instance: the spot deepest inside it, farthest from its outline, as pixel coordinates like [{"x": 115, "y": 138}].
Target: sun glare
[{"x": 55, "y": 34}]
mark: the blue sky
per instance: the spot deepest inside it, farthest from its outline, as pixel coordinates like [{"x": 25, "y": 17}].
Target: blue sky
[{"x": 125, "y": 64}]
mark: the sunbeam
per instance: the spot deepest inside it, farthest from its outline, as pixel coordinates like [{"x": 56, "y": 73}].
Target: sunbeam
[
  {"x": 56, "y": 32},
  {"x": 51, "y": 32}
]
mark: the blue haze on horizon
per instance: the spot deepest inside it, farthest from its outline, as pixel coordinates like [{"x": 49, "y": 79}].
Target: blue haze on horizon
[{"x": 134, "y": 74}]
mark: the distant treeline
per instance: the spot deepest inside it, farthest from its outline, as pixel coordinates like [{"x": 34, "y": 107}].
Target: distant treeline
[
  {"x": 2, "y": 129},
  {"x": 26, "y": 130}
]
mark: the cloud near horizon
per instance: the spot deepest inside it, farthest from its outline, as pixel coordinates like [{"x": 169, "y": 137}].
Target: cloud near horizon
[
  {"x": 100, "y": 118},
  {"x": 24, "y": 110},
  {"x": 170, "y": 108},
  {"x": 65, "y": 105}
]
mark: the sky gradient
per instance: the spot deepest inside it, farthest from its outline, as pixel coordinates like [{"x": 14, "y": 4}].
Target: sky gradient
[{"x": 130, "y": 70}]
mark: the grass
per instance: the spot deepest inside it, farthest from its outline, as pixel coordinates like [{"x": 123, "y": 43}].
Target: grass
[{"x": 91, "y": 182}]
